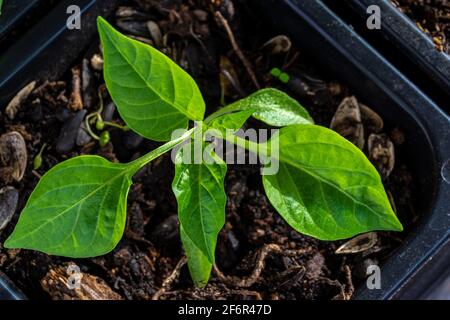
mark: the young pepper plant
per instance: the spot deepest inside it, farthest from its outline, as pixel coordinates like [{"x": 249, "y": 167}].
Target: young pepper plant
[{"x": 325, "y": 187}]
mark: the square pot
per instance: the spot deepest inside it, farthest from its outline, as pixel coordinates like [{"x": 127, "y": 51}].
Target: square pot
[{"x": 337, "y": 47}]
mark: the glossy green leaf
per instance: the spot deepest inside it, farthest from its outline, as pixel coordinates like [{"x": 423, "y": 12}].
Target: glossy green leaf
[
  {"x": 199, "y": 189},
  {"x": 325, "y": 186},
  {"x": 154, "y": 95},
  {"x": 199, "y": 265},
  {"x": 273, "y": 107},
  {"x": 231, "y": 121},
  {"x": 1, "y": 4},
  {"x": 78, "y": 209}
]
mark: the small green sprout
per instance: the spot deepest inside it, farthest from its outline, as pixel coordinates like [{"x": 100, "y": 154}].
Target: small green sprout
[
  {"x": 104, "y": 138},
  {"x": 280, "y": 75},
  {"x": 37, "y": 162},
  {"x": 100, "y": 124}
]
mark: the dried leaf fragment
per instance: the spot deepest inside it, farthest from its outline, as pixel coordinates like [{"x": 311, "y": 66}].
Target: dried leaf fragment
[
  {"x": 58, "y": 284},
  {"x": 358, "y": 244},
  {"x": 13, "y": 107},
  {"x": 75, "y": 101}
]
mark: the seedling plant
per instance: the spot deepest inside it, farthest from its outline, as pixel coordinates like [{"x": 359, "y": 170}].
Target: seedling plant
[{"x": 325, "y": 187}]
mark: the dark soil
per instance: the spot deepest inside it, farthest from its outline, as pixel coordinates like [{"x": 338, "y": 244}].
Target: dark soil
[
  {"x": 432, "y": 17},
  {"x": 292, "y": 266}
]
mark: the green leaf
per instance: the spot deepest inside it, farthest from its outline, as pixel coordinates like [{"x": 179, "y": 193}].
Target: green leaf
[
  {"x": 154, "y": 95},
  {"x": 1, "y": 4},
  {"x": 199, "y": 189},
  {"x": 232, "y": 121},
  {"x": 198, "y": 263},
  {"x": 325, "y": 186},
  {"x": 77, "y": 210},
  {"x": 273, "y": 107}
]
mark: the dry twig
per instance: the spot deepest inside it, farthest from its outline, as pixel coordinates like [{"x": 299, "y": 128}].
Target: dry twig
[
  {"x": 236, "y": 48},
  {"x": 260, "y": 263},
  {"x": 76, "y": 102},
  {"x": 170, "y": 279},
  {"x": 350, "y": 287}
]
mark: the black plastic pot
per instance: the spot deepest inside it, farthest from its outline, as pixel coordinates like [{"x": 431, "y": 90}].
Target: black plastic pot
[
  {"x": 8, "y": 291},
  {"x": 338, "y": 48},
  {"x": 14, "y": 13},
  {"x": 45, "y": 52},
  {"x": 19, "y": 16},
  {"x": 49, "y": 48},
  {"x": 418, "y": 46},
  {"x": 321, "y": 33},
  {"x": 403, "y": 43}
]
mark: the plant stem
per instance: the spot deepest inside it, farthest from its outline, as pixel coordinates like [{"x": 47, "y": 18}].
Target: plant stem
[
  {"x": 142, "y": 161},
  {"x": 88, "y": 126},
  {"x": 228, "y": 109},
  {"x": 243, "y": 143},
  {"x": 116, "y": 125}
]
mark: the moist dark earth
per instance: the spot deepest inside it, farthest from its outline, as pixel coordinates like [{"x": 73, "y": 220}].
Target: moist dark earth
[
  {"x": 431, "y": 16},
  {"x": 258, "y": 255}
]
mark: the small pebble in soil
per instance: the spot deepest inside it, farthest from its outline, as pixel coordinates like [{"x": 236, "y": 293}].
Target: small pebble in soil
[
  {"x": 373, "y": 123},
  {"x": 83, "y": 137},
  {"x": 166, "y": 232},
  {"x": 63, "y": 114},
  {"x": 9, "y": 198},
  {"x": 108, "y": 112},
  {"x": 381, "y": 153},
  {"x": 87, "y": 89},
  {"x": 69, "y": 132},
  {"x": 136, "y": 28},
  {"x": 13, "y": 156},
  {"x": 347, "y": 122}
]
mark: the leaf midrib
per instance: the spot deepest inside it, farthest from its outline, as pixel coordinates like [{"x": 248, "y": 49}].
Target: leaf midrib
[{"x": 199, "y": 184}]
